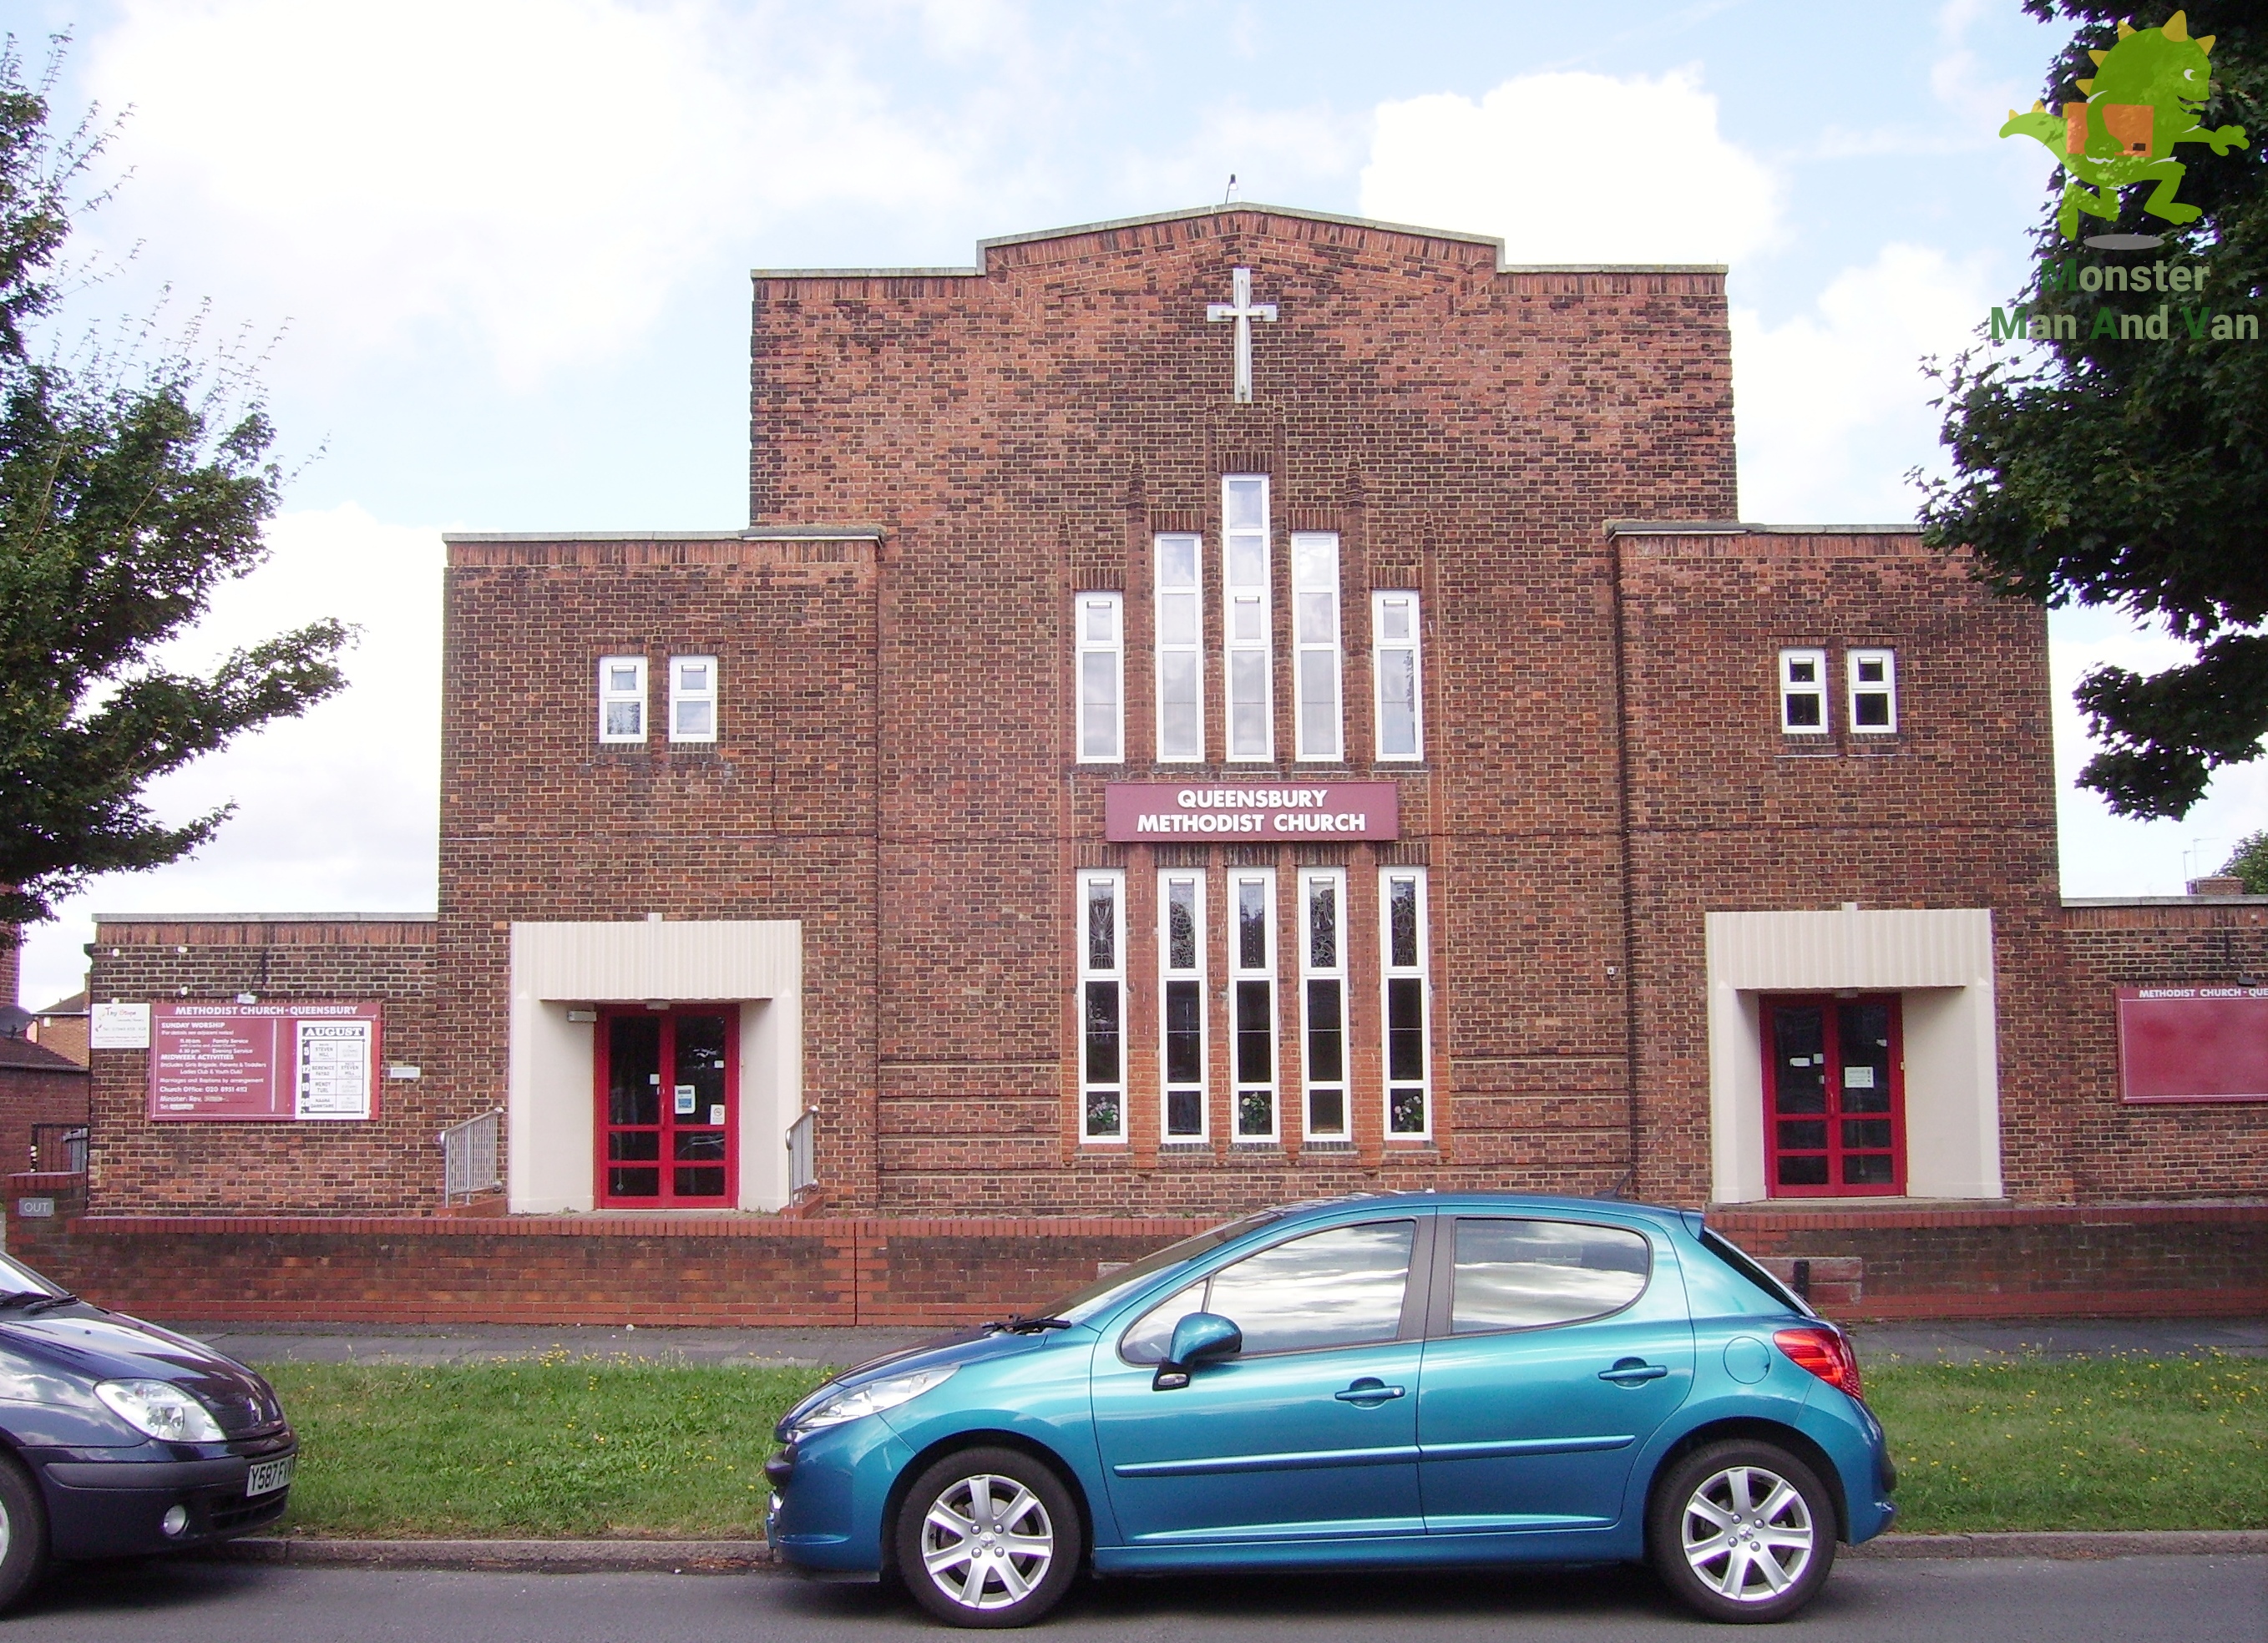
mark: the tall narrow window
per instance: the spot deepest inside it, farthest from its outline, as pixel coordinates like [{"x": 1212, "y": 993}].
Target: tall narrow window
[
  {"x": 693, "y": 698},
  {"x": 621, "y": 698},
  {"x": 1394, "y": 665},
  {"x": 1315, "y": 617},
  {"x": 1252, "y": 1001},
  {"x": 1181, "y": 963},
  {"x": 1103, "y": 1006},
  {"x": 1180, "y": 650},
  {"x": 1409, "y": 1058},
  {"x": 1322, "y": 1002},
  {"x": 1101, "y": 678},
  {"x": 1245, "y": 627},
  {"x": 1873, "y": 691},
  {"x": 1803, "y": 692}
]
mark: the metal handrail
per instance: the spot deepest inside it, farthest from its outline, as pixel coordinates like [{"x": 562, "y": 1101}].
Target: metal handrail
[
  {"x": 469, "y": 1157},
  {"x": 802, "y": 1170}
]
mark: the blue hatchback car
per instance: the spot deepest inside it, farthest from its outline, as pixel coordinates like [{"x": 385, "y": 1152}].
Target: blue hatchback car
[{"x": 1375, "y": 1382}]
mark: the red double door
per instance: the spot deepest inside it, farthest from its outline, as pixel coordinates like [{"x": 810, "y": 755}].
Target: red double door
[
  {"x": 1834, "y": 1097},
  {"x": 668, "y": 1101}
]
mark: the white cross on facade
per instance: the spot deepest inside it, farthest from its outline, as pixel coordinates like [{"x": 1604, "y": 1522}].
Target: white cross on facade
[{"x": 1244, "y": 311}]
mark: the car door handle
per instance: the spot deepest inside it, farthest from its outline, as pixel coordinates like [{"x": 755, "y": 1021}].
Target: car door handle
[
  {"x": 1368, "y": 1391},
  {"x": 1630, "y": 1371}
]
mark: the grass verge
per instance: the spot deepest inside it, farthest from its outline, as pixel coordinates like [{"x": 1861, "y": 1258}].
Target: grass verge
[
  {"x": 554, "y": 1447},
  {"x": 2126, "y": 1441},
  {"x": 540, "y": 1448}
]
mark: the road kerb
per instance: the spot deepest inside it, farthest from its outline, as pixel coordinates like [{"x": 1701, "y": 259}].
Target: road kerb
[
  {"x": 553, "y": 1556},
  {"x": 2116, "y": 1543},
  {"x": 753, "y": 1556}
]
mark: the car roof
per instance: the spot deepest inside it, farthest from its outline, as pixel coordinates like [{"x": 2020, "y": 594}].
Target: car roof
[{"x": 1494, "y": 1203}]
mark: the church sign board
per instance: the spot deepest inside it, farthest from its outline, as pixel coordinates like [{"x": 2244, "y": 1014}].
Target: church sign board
[
  {"x": 1146, "y": 812},
  {"x": 294, "y": 1061}
]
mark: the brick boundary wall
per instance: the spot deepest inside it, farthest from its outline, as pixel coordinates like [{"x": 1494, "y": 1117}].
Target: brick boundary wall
[
  {"x": 744, "y": 1270},
  {"x": 2101, "y": 1260}
]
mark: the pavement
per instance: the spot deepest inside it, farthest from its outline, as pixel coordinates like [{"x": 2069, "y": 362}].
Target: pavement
[{"x": 429, "y": 1344}]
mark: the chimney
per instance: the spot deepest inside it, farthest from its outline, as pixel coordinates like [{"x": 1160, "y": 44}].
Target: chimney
[{"x": 2217, "y": 885}]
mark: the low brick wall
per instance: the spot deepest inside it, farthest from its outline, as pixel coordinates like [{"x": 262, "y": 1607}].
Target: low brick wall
[
  {"x": 725, "y": 1270},
  {"x": 2096, "y": 1260},
  {"x": 2141, "y": 1260}
]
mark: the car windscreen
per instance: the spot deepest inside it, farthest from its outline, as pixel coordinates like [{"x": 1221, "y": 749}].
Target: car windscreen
[
  {"x": 1099, "y": 1295},
  {"x": 1739, "y": 1260},
  {"x": 18, "y": 1279}
]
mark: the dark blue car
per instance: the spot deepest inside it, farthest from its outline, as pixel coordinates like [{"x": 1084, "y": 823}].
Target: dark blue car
[
  {"x": 118, "y": 1438},
  {"x": 1373, "y": 1382}
]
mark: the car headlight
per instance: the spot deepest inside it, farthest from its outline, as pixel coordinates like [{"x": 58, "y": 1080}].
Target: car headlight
[
  {"x": 870, "y": 1398},
  {"x": 161, "y": 1410}
]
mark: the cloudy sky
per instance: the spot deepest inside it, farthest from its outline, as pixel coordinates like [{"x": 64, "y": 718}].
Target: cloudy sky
[{"x": 500, "y": 247}]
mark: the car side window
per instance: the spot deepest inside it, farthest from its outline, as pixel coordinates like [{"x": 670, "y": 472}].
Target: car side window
[
  {"x": 1526, "y": 1274},
  {"x": 1338, "y": 1287}
]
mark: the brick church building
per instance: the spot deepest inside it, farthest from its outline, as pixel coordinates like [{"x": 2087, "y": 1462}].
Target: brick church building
[{"x": 1222, "y": 708}]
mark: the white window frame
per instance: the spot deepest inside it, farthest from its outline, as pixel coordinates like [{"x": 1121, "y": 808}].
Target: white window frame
[
  {"x": 1237, "y": 598},
  {"x": 1084, "y": 608},
  {"x": 1885, "y": 687},
  {"x": 1381, "y": 647},
  {"x": 1390, "y": 972},
  {"x": 1313, "y": 656},
  {"x": 1334, "y": 879},
  {"x": 1193, "y": 650},
  {"x": 1191, "y": 975},
  {"x": 1815, "y": 687},
  {"x": 680, "y": 697},
  {"x": 1114, "y": 978},
  {"x": 610, "y": 697},
  {"x": 1264, "y": 976}
]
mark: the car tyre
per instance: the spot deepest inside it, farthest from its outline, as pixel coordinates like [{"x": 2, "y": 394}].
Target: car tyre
[
  {"x": 22, "y": 1533},
  {"x": 1743, "y": 1532},
  {"x": 988, "y": 1537}
]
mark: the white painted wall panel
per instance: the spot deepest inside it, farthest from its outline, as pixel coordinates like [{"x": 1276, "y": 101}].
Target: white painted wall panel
[{"x": 551, "y": 1118}]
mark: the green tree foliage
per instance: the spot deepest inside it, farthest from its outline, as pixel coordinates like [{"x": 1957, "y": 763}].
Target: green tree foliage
[
  {"x": 2251, "y": 863},
  {"x": 2134, "y": 474},
  {"x": 130, "y": 489}
]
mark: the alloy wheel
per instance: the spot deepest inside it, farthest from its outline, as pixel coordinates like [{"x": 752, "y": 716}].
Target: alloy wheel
[
  {"x": 987, "y": 1542},
  {"x": 1747, "y": 1534}
]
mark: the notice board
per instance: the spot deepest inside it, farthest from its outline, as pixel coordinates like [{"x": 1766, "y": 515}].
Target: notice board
[
  {"x": 2193, "y": 1044},
  {"x": 286, "y": 1062}
]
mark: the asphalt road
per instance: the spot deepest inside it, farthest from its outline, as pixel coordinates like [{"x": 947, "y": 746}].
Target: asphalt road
[{"x": 2121, "y": 1600}]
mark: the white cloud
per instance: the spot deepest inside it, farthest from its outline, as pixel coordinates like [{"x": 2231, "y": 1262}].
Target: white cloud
[
  {"x": 336, "y": 810},
  {"x": 1570, "y": 168},
  {"x": 1278, "y": 156},
  {"x": 527, "y": 177},
  {"x": 1832, "y": 406}
]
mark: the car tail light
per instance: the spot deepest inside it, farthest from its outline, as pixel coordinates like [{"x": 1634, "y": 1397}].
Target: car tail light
[{"x": 1826, "y": 1352}]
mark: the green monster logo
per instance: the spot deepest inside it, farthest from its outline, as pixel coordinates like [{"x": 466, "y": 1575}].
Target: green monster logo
[{"x": 2143, "y": 99}]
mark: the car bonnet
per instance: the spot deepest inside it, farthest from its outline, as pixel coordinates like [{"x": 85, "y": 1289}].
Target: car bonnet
[{"x": 101, "y": 1345}]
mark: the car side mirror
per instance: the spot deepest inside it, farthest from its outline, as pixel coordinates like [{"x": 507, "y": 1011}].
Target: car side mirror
[{"x": 1200, "y": 1338}]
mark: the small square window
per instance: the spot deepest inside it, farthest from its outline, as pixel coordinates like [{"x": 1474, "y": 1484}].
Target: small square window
[
  {"x": 621, "y": 698},
  {"x": 1873, "y": 691},
  {"x": 1803, "y": 692},
  {"x": 693, "y": 698}
]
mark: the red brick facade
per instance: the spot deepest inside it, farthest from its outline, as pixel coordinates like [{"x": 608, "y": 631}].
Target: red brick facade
[
  {"x": 939, "y": 463},
  {"x": 214, "y": 1168}
]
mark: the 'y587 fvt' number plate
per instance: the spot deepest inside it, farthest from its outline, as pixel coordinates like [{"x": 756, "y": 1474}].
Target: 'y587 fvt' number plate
[{"x": 267, "y": 1477}]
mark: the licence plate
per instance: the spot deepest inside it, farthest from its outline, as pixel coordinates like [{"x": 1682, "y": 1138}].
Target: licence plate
[{"x": 267, "y": 1477}]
